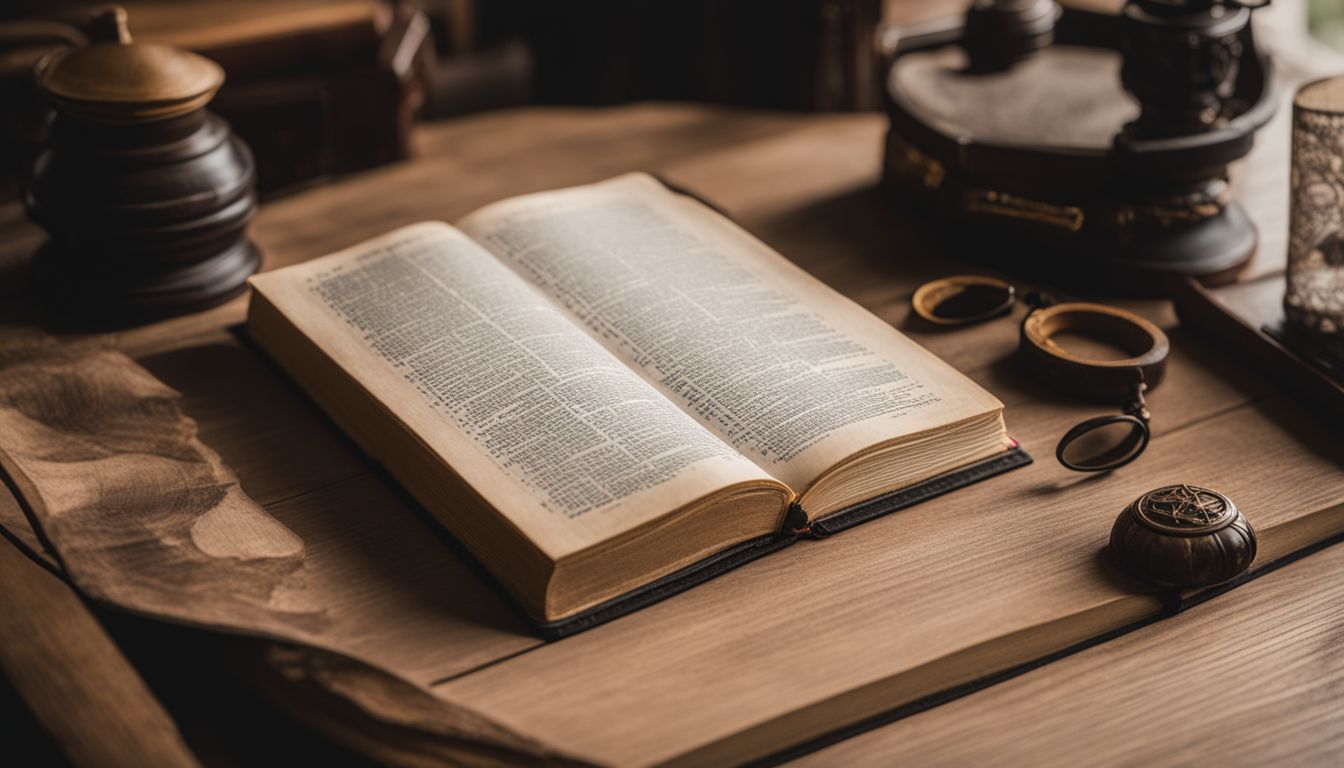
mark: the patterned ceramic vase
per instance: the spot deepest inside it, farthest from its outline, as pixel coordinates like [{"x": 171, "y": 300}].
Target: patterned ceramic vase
[{"x": 1315, "y": 295}]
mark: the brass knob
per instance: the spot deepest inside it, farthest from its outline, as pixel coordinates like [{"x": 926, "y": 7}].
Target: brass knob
[{"x": 1182, "y": 536}]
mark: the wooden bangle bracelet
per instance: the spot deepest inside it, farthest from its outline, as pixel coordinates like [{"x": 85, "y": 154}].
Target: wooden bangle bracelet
[
  {"x": 972, "y": 297},
  {"x": 1144, "y": 342}
]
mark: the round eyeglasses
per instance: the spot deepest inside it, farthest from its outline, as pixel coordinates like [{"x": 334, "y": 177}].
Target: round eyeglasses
[
  {"x": 1100, "y": 443},
  {"x": 1103, "y": 443}
]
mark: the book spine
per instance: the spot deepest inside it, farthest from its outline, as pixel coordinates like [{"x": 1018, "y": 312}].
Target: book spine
[{"x": 796, "y": 522}]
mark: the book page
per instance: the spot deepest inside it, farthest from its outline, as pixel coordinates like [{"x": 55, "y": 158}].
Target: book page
[
  {"x": 789, "y": 372},
  {"x": 505, "y": 387}
]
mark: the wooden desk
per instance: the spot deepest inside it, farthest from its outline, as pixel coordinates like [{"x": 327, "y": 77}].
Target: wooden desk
[
  {"x": 805, "y": 184},
  {"x": 1253, "y": 678}
]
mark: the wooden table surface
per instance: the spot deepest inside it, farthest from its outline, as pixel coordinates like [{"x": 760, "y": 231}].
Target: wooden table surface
[
  {"x": 806, "y": 185},
  {"x": 1255, "y": 677}
]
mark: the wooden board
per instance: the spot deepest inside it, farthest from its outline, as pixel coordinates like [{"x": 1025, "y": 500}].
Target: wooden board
[
  {"x": 75, "y": 681},
  {"x": 938, "y": 595},
  {"x": 925, "y": 598},
  {"x": 1253, "y": 678},
  {"x": 1234, "y": 318}
]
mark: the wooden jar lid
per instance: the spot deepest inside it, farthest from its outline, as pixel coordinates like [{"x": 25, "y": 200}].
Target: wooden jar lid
[{"x": 115, "y": 80}]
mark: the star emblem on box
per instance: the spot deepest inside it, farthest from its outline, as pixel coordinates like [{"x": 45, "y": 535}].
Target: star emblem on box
[{"x": 1185, "y": 508}]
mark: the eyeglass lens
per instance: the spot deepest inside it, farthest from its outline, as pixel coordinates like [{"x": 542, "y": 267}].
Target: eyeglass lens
[
  {"x": 1106, "y": 442},
  {"x": 975, "y": 301}
]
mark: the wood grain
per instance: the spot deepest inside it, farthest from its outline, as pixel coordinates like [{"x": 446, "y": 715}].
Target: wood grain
[
  {"x": 1252, "y": 678},
  {"x": 14, "y": 524},
  {"x": 75, "y": 681},
  {"x": 141, "y": 515},
  {"x": 743, "y": 652},
  {"x": 388, "y": 719},
  {"x": 937, "y": 595},
  {"x": 556, "y": 146},
  {"x": 135, "y": 508},
  {"x": 805, "y": 185}
]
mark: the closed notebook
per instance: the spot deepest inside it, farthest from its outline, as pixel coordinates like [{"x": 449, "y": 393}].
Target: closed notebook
[{"x": 610, "y": 393}]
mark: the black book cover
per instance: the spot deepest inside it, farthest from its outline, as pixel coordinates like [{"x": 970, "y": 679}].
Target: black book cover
[{"x": 727, "y": 559}]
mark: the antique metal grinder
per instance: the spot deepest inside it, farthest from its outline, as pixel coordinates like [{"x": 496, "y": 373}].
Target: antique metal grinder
[{"x": 1081, "y": 147}]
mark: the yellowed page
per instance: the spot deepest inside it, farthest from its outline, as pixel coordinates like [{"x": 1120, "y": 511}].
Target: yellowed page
[
  {"x": 549, "y": 427},
  {"x": 786, "y": 370}
]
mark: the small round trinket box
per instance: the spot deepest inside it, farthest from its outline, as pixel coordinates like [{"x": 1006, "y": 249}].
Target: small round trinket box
[{"x": 1183, "y": 536}]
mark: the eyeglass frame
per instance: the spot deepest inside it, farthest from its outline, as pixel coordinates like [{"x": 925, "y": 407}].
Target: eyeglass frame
[
  {"x": 1071, "y": 372},
  {"x": 1135, "y": 413}
]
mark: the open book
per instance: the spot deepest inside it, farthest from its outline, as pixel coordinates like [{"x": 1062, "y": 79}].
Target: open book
[{"x": 612, "y": 391}]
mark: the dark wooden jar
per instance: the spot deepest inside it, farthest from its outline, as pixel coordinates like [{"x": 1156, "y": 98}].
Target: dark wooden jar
[{"x": 145, "y": 194}]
